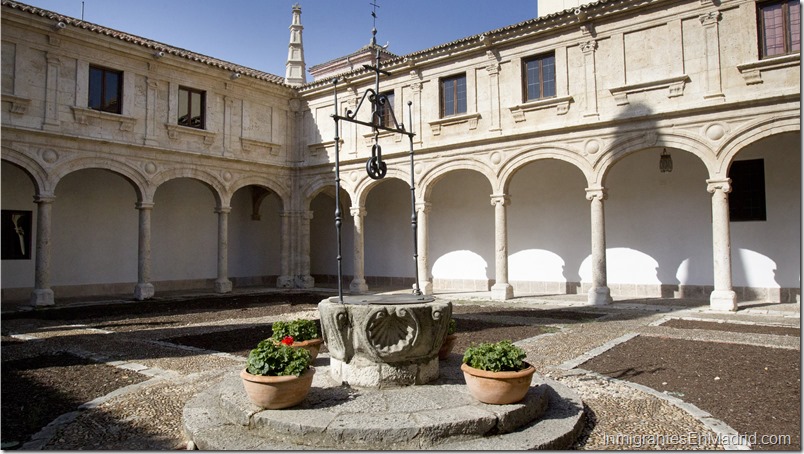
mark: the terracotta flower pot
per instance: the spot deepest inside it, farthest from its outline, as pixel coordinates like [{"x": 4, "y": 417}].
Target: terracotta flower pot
[
  {"x": 275, "y": 392},
  {"x": 498, "y": 387},
  {"x": 312, "y": 346},
  {"x": 446, "y": 347}
]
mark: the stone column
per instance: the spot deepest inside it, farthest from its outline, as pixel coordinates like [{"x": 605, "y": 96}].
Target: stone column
[
  {"x": 358, "y": 284},
  {"x": 599, "y": 293},
  {"x": 285, "y": 279},
  {"x": 723, "y": 297},
  {"x": 305, "y": 280},
  {"x": 42, "y": 294},
  {"x": 425, "y": 279},
  {"x": 222, "y": 283},
  {"x": 501, "y": 290},
  {"x": 144, "y": 288}
]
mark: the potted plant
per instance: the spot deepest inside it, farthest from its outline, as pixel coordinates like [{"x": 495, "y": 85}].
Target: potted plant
[
  {"x": 300, "y": 333},
  {"x": 277, "y": 375},
  {"x": 449, "y": 341},
  {"x": 496, "y": 373}
]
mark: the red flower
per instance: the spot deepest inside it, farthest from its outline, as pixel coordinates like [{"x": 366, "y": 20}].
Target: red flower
[{"x": 288, "y": 340}]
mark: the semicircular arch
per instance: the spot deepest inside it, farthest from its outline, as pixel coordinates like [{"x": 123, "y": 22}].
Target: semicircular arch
[
  {"x": 428, "y": 180},
  {"x": 637, "y": 142},
  {"x": 39, "y": 176},
  {"x": 531, "y": 155},
  {"x": 219, "y": 191},
  {"x": 753, "y": 133},
  {"x": 128, "y": 172},
  {"x": 268, "y": 183}
]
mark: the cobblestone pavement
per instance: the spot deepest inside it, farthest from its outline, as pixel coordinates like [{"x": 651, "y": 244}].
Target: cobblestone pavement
[{"x": 147, "y": 415}]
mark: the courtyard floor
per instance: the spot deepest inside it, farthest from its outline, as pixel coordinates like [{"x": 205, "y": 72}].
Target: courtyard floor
[{"x": 114, "y": 374}]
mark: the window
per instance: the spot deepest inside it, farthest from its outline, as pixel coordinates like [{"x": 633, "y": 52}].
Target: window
[
  {"x": 779, "y": 28},
  {"x": 540, "y": 77},
  {"x": 385, "y": 110},
  {"x": 105, "y": 89},
  {"x": 747, "y": 198},
  {"x": 191, "y": 108},
  {"x": 453, "y": 95}
]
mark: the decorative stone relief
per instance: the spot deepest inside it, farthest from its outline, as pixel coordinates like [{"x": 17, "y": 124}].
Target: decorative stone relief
[
  {"x": 592, "y": 146},
  {"x": 150, "y": 168},
  {"x": 715, "y": 131},
  {"x": 49, "y": 155}
]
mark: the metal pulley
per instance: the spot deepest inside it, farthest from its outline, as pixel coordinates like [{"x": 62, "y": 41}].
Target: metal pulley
[{"x": 375, "y": 166}]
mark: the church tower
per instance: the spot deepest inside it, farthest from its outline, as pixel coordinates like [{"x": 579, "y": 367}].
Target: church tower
[{"x": 294, "y": 68}]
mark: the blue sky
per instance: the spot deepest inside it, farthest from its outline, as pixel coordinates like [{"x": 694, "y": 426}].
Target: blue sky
[{"x": 254, "y": 33}]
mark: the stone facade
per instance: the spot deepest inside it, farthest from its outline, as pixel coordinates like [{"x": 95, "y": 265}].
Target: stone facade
[{"x": 558, "y": 195}]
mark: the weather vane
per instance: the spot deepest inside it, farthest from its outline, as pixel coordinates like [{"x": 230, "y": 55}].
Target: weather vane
[{"x": 382, "y": 115}]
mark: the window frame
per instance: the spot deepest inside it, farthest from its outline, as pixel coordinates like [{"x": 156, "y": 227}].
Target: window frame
[
  {"x": 747, "y": 200},
  {"x": 456, "y": 105},
  {"x": 526, "y": 77},
  {"x": 786, "y": 28},
  {"x": 91, "y": 89},
  {"x": 385, "y": 118},
  {"x": 203, "y": 108}
]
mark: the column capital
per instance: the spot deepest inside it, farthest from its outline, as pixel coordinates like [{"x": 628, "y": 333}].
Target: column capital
[
  {"x": 596, "y": 193},
  {"x": 424, "y": 207},
  {"x": 500, "y": 199},
  {"x": 718, "y": 184},
  {"x": 358, "y": 211},
  {"x": 588, "y": 47},
  {"x": 44, "y": 198},
  {"x": 710, "y": 18}
]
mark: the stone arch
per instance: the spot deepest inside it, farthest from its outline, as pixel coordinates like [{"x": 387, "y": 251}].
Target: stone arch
[
  {"x": 129, "y": 173},
  {"x": 365, "y": 185},
  {"x": 39, "y": 176},
  {"x": 751, "y": 133},
  {"x": 428, "y": 180},
  {"x": 268, "y": 183},
  {"x": 319, "y": 183},
  {"x": 219, "y": 190},
  {"x": 528, "y": 156},
  {"x": 633, "y": 143}
]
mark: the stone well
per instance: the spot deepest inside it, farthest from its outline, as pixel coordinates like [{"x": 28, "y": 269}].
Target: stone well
[{"x": 381, "y": 341}]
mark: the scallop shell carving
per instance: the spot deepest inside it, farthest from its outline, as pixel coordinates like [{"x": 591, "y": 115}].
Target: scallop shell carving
[{"x": 390, "y": 331}]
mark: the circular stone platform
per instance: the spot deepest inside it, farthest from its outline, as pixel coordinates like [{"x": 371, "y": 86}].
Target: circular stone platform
[{"x": 440, "y": 416}]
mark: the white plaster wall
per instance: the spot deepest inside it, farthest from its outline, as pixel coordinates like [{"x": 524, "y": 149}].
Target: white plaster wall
[
  {"x": 95, "y": 225},
  {"x": 768, "y": 253},
  {"x": 323, "y": 236},
  {"x": 658, "y": 226},
  {"x": 17, "y": 194},
  {"x": 548, "y": 223},
  {"x": 254, "y": 244},
  {"x": 184, "y": 226},
  {"x": 388, "y": 234},
  {"x": 462, "y": 227}
]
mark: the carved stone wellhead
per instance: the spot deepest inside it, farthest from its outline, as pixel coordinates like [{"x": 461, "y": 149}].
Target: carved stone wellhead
[{"x": 384, "y": 340}]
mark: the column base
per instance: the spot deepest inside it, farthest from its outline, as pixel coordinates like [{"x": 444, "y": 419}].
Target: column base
[
  {"x": 723, "y": 300},
  {"x": 284, "y": 282},
  {"x": 502, "y": 292},
  {"x": 358, "y": 286},
  {"x": 599, "y": 296},
  {"x": 42, "y": 297},
  {"x": 143, "y": 291},
  {"x": 305, "y": 281},
  {"x": 223, "y": 286}
]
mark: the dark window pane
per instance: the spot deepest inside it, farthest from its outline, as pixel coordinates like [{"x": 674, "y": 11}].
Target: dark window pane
[
  {"x": 795, "y": 26},
  {"x": 549, "y": 76},
  {"x": 191, "y": 108},
  {"x": 95, "y": 88},
  {"x": 540, "y": 77},
  {"x": 184, "y": 107},
  {"x": 461, "y": 95},
  {"x": 747, "y": 197},
  {"x": 449, "y": 97}
]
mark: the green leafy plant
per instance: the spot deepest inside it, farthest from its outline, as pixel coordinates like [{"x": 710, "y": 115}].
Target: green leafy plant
[
  {"x": 300, "y": 330},
  {"x": 495, "y": 357},
  {"x": 453, "y": 327},
  {"x": 272, "y": 358}
]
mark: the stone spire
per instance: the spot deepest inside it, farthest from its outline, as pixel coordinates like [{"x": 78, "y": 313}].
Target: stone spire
[{"x": 294, "y": 68}]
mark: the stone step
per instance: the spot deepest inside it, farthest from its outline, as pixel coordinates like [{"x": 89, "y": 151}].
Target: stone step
[{"x": 435, "y": 416}]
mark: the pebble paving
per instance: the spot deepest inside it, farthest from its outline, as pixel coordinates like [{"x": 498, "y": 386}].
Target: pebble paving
[{"x": 148, "y": 415}]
